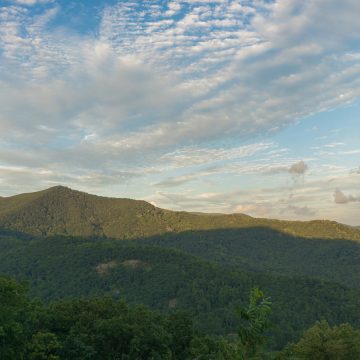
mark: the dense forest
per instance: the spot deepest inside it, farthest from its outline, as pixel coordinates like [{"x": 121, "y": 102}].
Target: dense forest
[
  {"x": 97, "y": 267},
  {"x": 104, "y": 328},
  {"x": 263, "y": 249},
  {"x": 167, "y": 279}
]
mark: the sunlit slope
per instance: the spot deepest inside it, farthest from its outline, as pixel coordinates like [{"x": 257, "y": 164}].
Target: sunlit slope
[{"x": 60, "y": 210}]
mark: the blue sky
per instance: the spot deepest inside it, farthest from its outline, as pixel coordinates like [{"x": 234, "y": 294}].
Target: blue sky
[{"x": 216, "y": 106}]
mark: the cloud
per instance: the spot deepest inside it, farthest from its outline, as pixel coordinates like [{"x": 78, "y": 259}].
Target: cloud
[
  {"x": 265, "y": 204},
  {"x": 258, "y": 209},
  {"x": 180, "y": 180},
  {"x": 341, "y": 198},
  {"x": 298, "y": 168},
  {"x": 302, "y": 211},
  {"x": 24, "y": 178},
  {"x": 307, "y": 200},
  {"x": 217, "y": 161},
  {"x": 196, "y": 155},
  {"x": 30, "y": 2},
  {"x": 173, "y": 92},
  {"x": 211, "y": 96}
]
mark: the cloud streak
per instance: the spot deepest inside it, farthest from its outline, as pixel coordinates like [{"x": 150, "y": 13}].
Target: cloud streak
[
  {"x": 218, "y": 98},
  {"x": 173, "y": 92}
]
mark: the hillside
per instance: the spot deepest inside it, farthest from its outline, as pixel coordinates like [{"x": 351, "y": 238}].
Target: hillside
[
  {"x": 168, "y": 280},
  {"x": 62, "y": 211},
  {"x": 66, "y": 244},
  {"x": 263, "y": 249}
]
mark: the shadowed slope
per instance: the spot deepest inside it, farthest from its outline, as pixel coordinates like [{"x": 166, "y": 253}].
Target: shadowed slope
[
  {"x": 168, "y": 279},
  {"x": 263, "y": 249}
]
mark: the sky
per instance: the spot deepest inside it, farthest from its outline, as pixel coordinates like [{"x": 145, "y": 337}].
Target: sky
[{"x": 220, "y": 106}]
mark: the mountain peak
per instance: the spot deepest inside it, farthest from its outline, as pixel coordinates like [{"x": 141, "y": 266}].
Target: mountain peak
[{"x": 60, "y": 188}]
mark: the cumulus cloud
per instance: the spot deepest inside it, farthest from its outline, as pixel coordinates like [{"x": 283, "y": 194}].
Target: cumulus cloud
[
  {"x": 211, "y": 96},
  {"x": 161, "y": 86},
  {"x": 298, "y": 168},
  {"x": 341, "y": 198}
]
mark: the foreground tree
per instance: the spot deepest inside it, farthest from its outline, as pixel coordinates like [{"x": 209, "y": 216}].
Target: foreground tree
[
  {"x": 254, "y": 323},
  {"x": 323, "y": 342},
  {"x": 14, "y": 319}
]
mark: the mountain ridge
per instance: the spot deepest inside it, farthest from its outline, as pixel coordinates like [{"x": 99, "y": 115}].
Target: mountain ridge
[
  {"x": 205, "y": 263},
  {"x": 60, "y": 210}
]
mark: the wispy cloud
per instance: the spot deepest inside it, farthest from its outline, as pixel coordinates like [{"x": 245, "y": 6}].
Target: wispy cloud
[
  {"x": 29, "y": 2},
  {"x": 195, "y": 155},
  {"x": 204, "y": 68},
  {"x": 183, "y": 90}
]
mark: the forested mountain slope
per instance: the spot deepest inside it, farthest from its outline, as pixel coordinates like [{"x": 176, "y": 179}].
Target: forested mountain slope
[
  {"x": 264, "y": 249},
  {"x": 66, "y": 244},
  {"x": 62, "y": 211},
  {"x": 168, "y": 280}
]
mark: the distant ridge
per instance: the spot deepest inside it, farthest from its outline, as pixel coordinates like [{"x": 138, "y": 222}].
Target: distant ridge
[{"x": 60, "y": 210}]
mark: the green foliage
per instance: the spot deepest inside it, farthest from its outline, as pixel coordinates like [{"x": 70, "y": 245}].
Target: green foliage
[
  {"x": 99, "y": 329},
  {"x": 43, "y": 346},
  {"x": 168, "y": 280},
  {"x": 105, "y": 329},
  {"x": 209, "y": 348},
  {"x": 323, "y": 342},
  {"x": 255, "y": 320}
]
